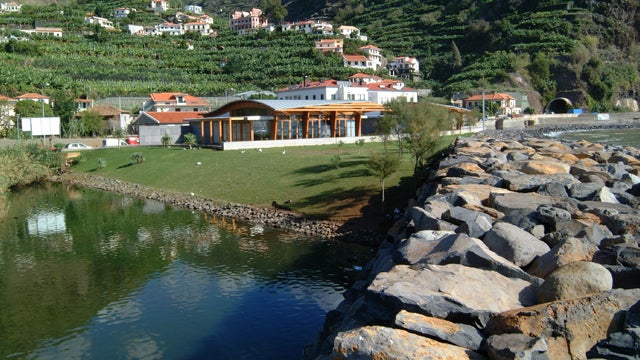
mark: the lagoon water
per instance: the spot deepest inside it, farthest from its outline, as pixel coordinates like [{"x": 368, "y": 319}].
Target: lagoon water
[{"x": 86, "y": 274}]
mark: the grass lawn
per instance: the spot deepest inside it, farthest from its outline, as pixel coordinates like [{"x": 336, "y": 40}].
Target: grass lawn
[{"x": 305, "y": 176}]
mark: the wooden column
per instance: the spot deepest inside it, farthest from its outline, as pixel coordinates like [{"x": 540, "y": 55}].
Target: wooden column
[
  {"x": 230, "y": 130},
  {"x": 220, "y": 133},
  {"x": 251, "y": 133},
  {"x": 305, "y": 125},
  {"x": 358, "y": 124},
  {"x": 334, "y": 122},
  {"x": 202, "y": 131},
  {"x": 274, "y": 126}
]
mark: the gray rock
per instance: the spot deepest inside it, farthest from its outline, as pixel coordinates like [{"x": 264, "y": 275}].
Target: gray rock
[
  {"x": 553, "y": 189},
  {"x": 516, "y": 347},
  {"x": 514, "y": 244},
  {"x": 621, "y": 254},
  {"x": 437, "y": 206},
  {"x": 624, "y": 277},
  {"x": 584, "y": 191},
  {"x": 377, "y": 342},
  {"x": 567, "y": 251},
  {"x": 464, "y": 250},
  {"x": 413, "y": 249},
  {"x": 475, "y": 223},
  {"x": 605, "y": 195},
  {"x": 635, "y": 190},
  {"x": 574, "y": 280},
  {"x": 423, "y": 220},
  {"x": 550, "y": 216},
  {"x": 595, "y": 233},
  {"x": 525, "y": 183},
  {"x": 516, "y": 156},
  {"x": 623, "y": 345},
  {"x": 510, "y": 202},
  {"x": 616, "y": 170},
  {"x": 523, "y": 218},
  {"x": 462, "y": 335},
  {"x": 623, "y": 197},
  {"x": 451, "y": 292}
]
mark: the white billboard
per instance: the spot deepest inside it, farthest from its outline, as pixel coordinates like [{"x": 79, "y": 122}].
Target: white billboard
[{"x": 41, "y": 126}]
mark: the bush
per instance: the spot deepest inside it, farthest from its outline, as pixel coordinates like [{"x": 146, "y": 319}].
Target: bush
[
  {"x": 137, "y": 157},
  {"x": 102, "y": 163}
]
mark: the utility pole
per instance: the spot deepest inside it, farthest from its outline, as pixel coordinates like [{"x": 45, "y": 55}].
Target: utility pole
[{"x": 483, "y": 112}]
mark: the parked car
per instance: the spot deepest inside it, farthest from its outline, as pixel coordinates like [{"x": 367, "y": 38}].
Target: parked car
[
  {"x": 77, "y": 146},
  {"x": 113, "y": 142},
  {"x": 133, "y": 140}
]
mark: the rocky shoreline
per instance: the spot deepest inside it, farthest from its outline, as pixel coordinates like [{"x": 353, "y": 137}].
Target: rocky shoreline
[{"x": 519, "y": 246}]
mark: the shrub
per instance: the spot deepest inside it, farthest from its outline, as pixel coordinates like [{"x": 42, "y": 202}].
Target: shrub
[
  {"x": 165, "y": 140},
  {"x": 102, "y": 163},
  {"x": 335, "y": 161},
  {"x": 137, "y": 157}
]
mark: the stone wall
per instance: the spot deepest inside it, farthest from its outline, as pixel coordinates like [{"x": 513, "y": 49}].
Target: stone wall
[{"x": 514, "y": 249}]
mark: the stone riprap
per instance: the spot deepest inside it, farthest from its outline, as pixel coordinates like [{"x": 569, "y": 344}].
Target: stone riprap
[{"x": 515, "y": 248}]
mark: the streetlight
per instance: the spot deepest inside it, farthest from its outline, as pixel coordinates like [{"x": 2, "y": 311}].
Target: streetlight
[{"x": 43, "y": 85}]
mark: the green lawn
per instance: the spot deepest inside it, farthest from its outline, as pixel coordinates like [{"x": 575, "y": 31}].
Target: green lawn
[{"x": 304, "y": 175}]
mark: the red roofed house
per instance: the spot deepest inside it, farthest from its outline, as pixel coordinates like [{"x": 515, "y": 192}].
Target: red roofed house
[
  {"x": 384, "y": 91},
  {"x": 330, "y": 45},
  {"x": 404, "y": 66},
  {"x": 175, "y": 102},
  {"x": 362, "y": 78},
  {"x": 357, "y": 61},
  {"x": 247, "y": 21},
  {"x": 35, "y": 97},
  {"x": 373, "y": 54},
  {"x": 506, "y": 103}
]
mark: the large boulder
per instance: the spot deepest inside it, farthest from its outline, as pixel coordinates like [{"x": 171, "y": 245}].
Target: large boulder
[
  {"x": 570, "y": 327},
  {"x": 462, "y": 335},
  {"x": 377, "y": 342},
  {"x": 413, "y": 249},
  {"x": 567, "y": 251},
  {"x": 516, "y": 347},
  {"x": 424, "y": 220},
  {"x": 575, "y": 280},
  {"x": 512, "y": 202},
  {"x": 472, "y": 223},
  {"x": 451, "y": 291},
  {"x": 514, "y": 244},
  {"x": 459, "y": 249},
  {"x": 624, "y": 344}
]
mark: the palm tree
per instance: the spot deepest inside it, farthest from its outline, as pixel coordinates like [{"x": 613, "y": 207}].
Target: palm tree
[{"x": 190, "y": 140}]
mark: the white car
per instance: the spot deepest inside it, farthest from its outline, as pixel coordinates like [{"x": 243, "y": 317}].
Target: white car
[{"x": 77, "y": 146}]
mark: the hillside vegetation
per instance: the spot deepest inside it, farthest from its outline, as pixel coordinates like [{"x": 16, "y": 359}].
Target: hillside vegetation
[{"x": 586, "y": 50}]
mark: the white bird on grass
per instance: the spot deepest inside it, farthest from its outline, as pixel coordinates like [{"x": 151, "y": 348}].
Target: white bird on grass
[
  {"x": 284, "y": 152},
  {"x": 259, "y": 150},
  {"x": 241, "y": 151}
]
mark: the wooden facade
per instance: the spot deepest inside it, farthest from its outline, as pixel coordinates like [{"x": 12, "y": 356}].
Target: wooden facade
[{"x": 250, "y": 120}]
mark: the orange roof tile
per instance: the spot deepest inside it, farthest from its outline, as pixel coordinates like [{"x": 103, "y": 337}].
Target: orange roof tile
[
  {"x": 355, "y": 58},
  {"x": 169, "y": 96},
  {"x": 490, "y": 97},
  {"x": 174, "y": 117}
]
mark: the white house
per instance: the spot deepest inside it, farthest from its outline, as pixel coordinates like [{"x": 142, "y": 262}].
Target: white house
[
  {"x": 351, "y": 32},
  {"x": 384, "y": 91},
  {"x": 135, "y": 29},
  {"x": 310, "y": 27},
  {"x": 56, "y": 32},
  {"x": 373, "y": 54},
  {"x": 324, "y": 90},
  {"x": 175, "y": 102},
  {"x": 403, "y": 66},
  {"x": 105, "y": 23},
  {"x": 361, "y": 78},
  {"x": 357, "y": 62},
  {"x": 194, "y": 9},
  {"x": 121, "y": 12},
  {"x": 170, "y": 28},
  {"x": 200, "y": 27},
  {"x": 159, "y": 5},
  {"x": 10, "y": 7}
]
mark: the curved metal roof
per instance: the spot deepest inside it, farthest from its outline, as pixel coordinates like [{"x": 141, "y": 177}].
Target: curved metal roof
[{"x": 285, "y": 106}]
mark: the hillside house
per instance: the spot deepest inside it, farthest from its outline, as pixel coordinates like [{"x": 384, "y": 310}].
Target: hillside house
[
  {"x": 384, "y": 91},
  {"x": 83, "y": 104},
  {"x": 136, "y": 29},
  {"x": 310, "y": 27},
  {"x": 324, "y": 90},
  {"x": 248, "y": 21},
  {"x": 373, "y": 54},
  {"x": 114, "y": 118},
  {"x": 351, "y": 32},
  {"x": 176, "y": 102},
  {"x": 404, "y": 67},
  {"x": 102, "y": 22},
  {"x": 7, "y": 112},
  {"x": 199, "y": 27},
  {"x": 194, "y": 9},
  {"x": 186, "y": 18},
  {"x": 158, "y": 6},
  {"x": 169, "y": 28},
  {"x": 35, "y": 97},
  {"x": 56, "y": 32},
  {"x": 330, "y": 46},
  {"x": 10, "y": 7},
  {"x": 121, "y": 12},
  {"x": 357, "y": 62},
  {"x": 506, "y": 103},
  {"x": 361, "y": 78}
]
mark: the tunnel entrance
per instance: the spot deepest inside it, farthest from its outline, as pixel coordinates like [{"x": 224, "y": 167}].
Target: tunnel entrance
[{"x": 559, "y": 106}]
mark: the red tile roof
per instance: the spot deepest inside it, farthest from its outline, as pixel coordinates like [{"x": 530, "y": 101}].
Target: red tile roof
[
  {"x": 355, "y": 58},
  {"x": 30, "y": 96},
  {"x": 168, "y": 96},
  {"x": 490, "y": 97},
  {"x": 174, "y": 117}
]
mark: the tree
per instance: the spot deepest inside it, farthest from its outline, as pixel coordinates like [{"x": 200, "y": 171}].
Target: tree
[
  {"x": 165, "y": 140},
  {"x": 92, "y": 123},
  {"x": 421, "y": 124},
  {"x": 382, "y": 166},
  {"x": 65, "y": 107},
  {"x": 27, "y": 108},
  {"x": 274, "y": 9},
  {"x": 190, "y": 140}
]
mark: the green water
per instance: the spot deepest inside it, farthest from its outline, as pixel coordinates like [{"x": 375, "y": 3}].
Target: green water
[
  {"x": 92, "y": 275},
  {"x": 630, "y": 137}
]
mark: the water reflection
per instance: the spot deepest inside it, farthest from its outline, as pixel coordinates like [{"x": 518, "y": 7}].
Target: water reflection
[{"x": 91, "y": 274}]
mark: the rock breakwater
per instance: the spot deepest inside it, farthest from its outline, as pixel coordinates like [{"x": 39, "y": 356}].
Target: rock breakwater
[{"x": 513, "y": 249}]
